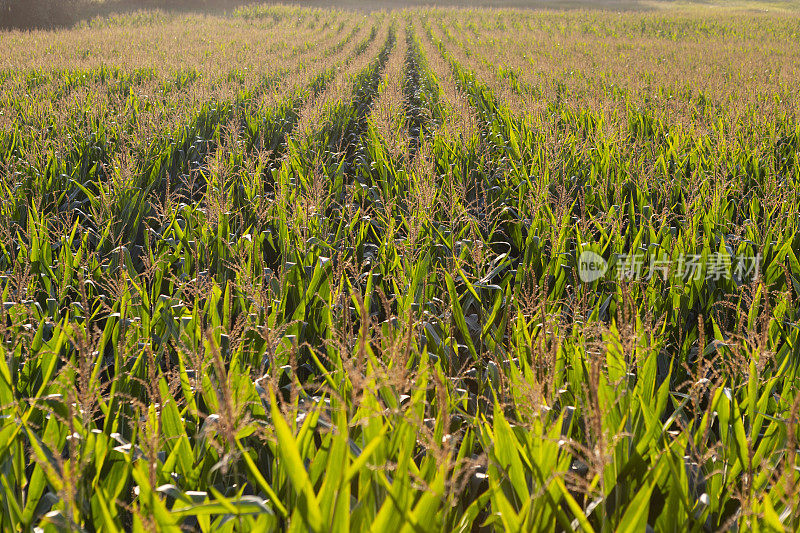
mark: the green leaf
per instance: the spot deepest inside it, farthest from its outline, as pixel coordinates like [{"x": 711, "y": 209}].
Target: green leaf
[{"x": 295, "y": 469}]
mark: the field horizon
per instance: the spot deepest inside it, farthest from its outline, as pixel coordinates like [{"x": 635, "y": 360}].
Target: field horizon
[{"x": 43, "y": 14}]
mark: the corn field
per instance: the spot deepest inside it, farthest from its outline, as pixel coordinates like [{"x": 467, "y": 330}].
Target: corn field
[{"x": 414, "y": 270}]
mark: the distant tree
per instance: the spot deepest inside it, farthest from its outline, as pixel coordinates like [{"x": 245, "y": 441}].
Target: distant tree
[{"x": 36, "y": 13}]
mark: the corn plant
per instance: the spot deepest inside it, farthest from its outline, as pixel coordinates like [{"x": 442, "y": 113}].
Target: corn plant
[{"x": 426, "y": 269}]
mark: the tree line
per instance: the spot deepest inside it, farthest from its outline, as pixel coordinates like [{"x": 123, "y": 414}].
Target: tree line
[{"x": 30, "y": 14}]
